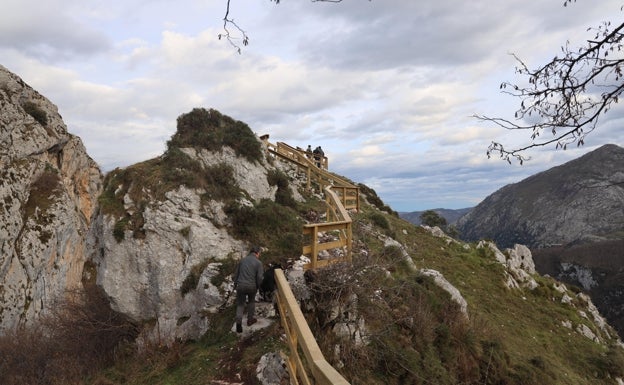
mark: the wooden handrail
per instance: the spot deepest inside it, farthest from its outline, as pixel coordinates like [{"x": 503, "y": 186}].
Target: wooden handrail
[
  {"x": 340, "y": 196},
  {"x": 338, "y": 219},
  {"x": 312, "y": 368},
  {"x": 349, "y": 192}
]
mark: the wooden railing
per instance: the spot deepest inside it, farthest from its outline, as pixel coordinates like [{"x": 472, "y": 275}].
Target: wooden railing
[
  {"x": 349, "y": 196},
  {"x": 311, "y": 367},
  {"x": 339, "y": 222},
  {"x": 340, "y": 194},
  {"x": 298, "y": 155}
]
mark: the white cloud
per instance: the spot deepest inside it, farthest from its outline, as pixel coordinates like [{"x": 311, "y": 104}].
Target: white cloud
[{"x": 386, "y": 87}]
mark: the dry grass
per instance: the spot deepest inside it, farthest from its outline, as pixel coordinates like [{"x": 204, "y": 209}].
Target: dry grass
[{"x": 78, "y": 338}]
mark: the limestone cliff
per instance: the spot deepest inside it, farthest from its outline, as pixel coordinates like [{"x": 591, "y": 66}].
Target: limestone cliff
[
  {"x": 48, "y": 194},
  {"x": 164, "y": 251},
  {"x": 156, "y": 234}
]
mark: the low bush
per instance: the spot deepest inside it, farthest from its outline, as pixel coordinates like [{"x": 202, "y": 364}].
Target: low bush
[
  {"x": 270, "y": 225},
  {"x": 192, "y": 279},
  {"x": 283, "y": 195},
  {"x": 413, "y": 330},
  {"x": 211, "y": 130},
  {"x": 36, "y": 112}
]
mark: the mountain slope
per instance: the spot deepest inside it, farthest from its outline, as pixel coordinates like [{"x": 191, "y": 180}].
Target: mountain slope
[{"x": 579, "y": 201}]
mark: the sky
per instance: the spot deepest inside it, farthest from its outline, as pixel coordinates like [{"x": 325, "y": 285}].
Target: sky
[{"x": 388, "y": 88}]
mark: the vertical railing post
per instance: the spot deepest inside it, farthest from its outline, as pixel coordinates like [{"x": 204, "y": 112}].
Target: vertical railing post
[
  {"x": 314, "y": 255},
  {"x": 308, "y": 176}
]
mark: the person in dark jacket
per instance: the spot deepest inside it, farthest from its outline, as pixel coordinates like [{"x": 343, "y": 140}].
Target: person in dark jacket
[{"x": 247, "y": 279}]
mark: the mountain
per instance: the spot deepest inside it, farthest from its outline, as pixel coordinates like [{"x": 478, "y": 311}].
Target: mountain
[
  {"x": 451, "y": 215},
  {"x": 125, "y": 278},
  {"x": 572, "y": 217},
  {"x": 579, "y": 201}
]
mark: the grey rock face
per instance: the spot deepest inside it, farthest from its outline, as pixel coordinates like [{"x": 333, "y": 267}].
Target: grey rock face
[
  {"x": 184, "y": 235},
  {"x": 578, "y": 201},
  {"x": 51, "y": 225},
  {"x": 48, "y": 194}
]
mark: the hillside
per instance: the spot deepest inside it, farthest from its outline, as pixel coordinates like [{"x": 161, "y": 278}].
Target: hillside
[
  {"x": 595, "y": 267},
  {"x": 149, "y": 300},
  {"x": 579, "y": 201},
  {"x": 571, "y": 217}
]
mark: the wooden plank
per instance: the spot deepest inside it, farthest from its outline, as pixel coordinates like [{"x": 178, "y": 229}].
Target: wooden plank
[{"x": 325, "y": 374}]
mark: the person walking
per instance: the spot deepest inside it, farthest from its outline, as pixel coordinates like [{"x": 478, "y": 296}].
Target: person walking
[{"x": 247, "y": 279}]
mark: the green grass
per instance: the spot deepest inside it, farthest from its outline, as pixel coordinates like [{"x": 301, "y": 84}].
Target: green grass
[
  {"x": 416, "y": 333},
  {"x": 220, "y": 355}
]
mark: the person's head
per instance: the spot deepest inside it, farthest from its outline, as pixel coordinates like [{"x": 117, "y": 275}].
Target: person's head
[{"x": 256, "y": 250}]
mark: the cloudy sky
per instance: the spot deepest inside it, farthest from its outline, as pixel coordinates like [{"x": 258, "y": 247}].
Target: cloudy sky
[{"x": 386, "y": 87}]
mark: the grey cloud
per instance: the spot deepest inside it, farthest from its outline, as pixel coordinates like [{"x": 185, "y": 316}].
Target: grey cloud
[
  {"x": 44, "y": 32},
  {"x": 374, "y": 36}
]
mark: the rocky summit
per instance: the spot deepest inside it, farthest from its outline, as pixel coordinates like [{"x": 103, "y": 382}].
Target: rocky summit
[{"x": 579, "y": 201}]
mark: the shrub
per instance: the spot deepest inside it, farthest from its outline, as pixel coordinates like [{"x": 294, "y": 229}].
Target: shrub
[
  {"x": 42, "y": 191},
  {"x": 192, "y": 279},
  {"x": 186, "y": 231},
  {"x": 375, "y": 200},
  {"x": 379, "y": 220},
  {"x": 211, "y": 130},
  {"x": 413, "y": 328},
  {"x": 431, "y": 218},
  {"x": 36, "y": 112},
  {"x": 283, "y": 195},
  {"x": 119, "y": 229},
  {"x": 226, "y": 269},
  {"x": 219, "y": 182},
  {"x": 179, "y": 169},
  {"x": 268, "y": 224}
]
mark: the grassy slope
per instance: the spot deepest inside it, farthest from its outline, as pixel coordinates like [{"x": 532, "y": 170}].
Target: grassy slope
[
  {"x": 528, "y": 324},
  {"x": 521, "y": 336}
]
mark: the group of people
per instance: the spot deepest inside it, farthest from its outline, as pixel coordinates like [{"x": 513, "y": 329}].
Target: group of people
[{"x": 317, "y": 154}]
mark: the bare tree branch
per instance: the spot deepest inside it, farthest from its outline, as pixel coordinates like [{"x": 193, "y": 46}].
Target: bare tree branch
[
  {"x": 231, "y": 36},
  {"x": 567, "y": 95},
  {"x": 228, "y": 35}
]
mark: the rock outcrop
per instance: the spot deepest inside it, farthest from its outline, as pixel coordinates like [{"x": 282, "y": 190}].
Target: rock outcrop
[
  {"x": 48, "y": 195},
  {"x": 145, "y": 276},
  {"x": 157, "y": 250}
]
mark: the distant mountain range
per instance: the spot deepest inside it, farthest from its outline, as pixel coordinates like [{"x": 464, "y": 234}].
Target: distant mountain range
[
  {"x": 580, "y": 201},
  {"x": 450, "y": 215}
]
